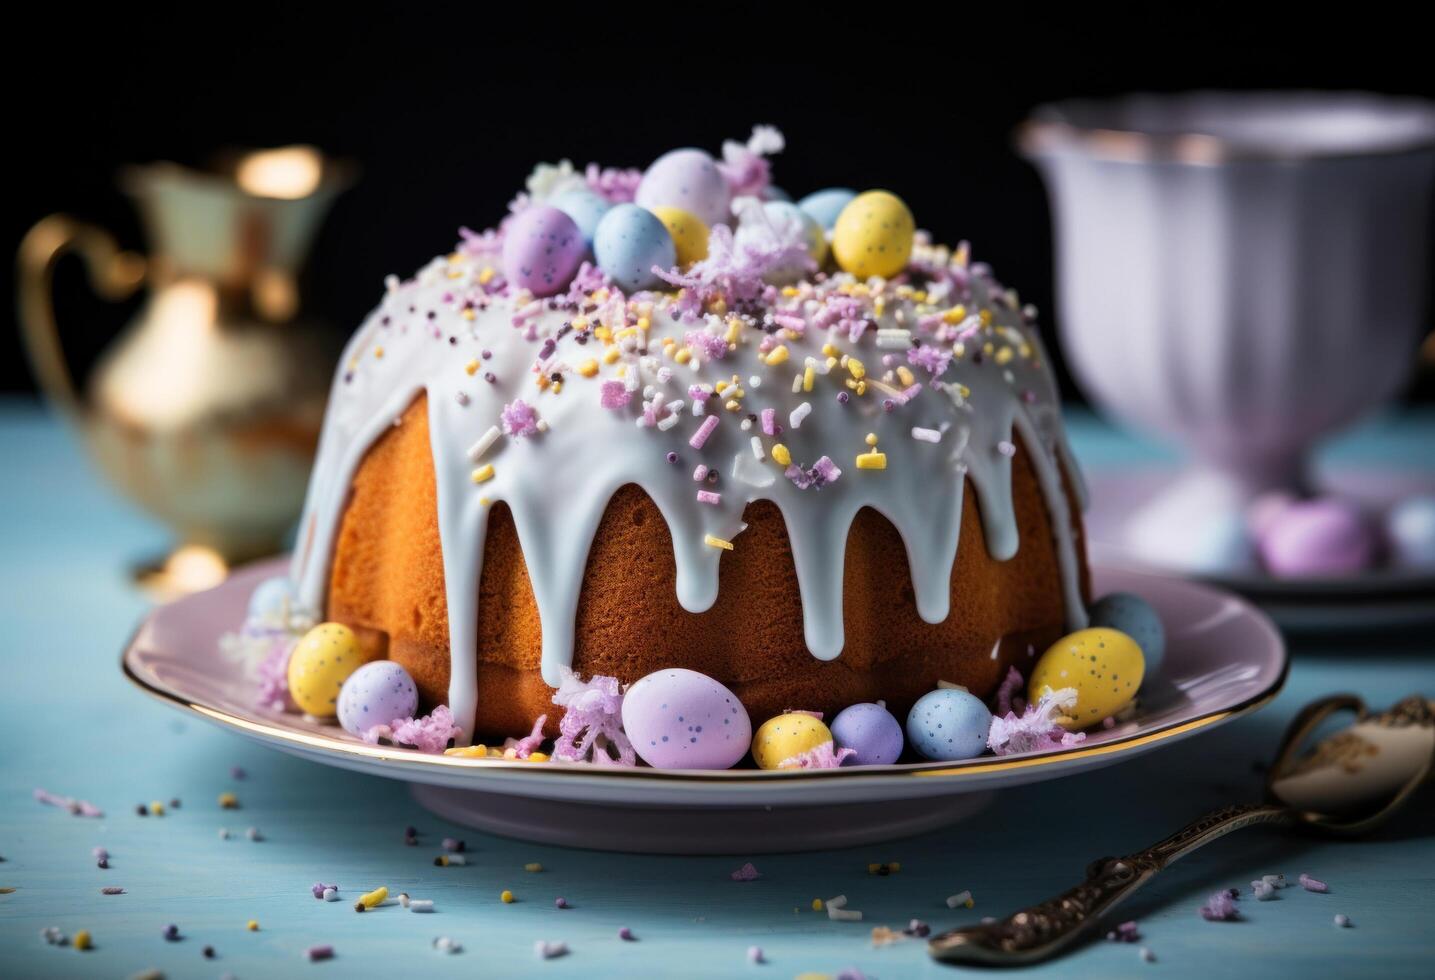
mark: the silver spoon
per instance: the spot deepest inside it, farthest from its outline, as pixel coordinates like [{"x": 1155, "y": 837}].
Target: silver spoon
[{"x": 1349, "y": 783}]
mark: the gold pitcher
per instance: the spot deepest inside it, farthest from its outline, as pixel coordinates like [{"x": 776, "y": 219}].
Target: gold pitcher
[{"x": 206, "y": 410}]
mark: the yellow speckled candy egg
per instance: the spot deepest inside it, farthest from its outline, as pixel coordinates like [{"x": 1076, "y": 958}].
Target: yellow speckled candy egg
[
  {"x": 320, "y": 665},
  {"x": 785, "y": 736},
  {"x": 690, "y": 235},
  {"x": 1104, "y": 666},
  {"x": 873, "y": 235}
]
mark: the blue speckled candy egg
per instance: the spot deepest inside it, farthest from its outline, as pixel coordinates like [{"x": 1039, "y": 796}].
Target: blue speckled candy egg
[
  {"x": 825, "y": 205},
  {"x": 681, "y": 719},
  {"x": 629, "y": 242},
  {"x": 687, "y": 179},
  {"x": 586, "y": 208},
  {"x": 1410, "y": 532},
  {"x": 871, "y": 732},
  {"x": 949, "y": 724},
  {"x": 376, "y": 694},
  {"x": 542, "y": 249},
  {"x": 273, "y": 597},
  {"x": 1135, "y": 617}
]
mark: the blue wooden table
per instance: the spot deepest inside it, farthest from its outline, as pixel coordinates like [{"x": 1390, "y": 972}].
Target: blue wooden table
[{"x": 74, "y": 726}]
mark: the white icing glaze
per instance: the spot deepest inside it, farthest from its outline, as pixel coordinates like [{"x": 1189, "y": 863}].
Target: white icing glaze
[{"x": 558, "y": 483}]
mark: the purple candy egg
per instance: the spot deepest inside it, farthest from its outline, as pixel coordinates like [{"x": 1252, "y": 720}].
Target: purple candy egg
[
  {"x": 871, "y": 731},
  {"x": 687, "y": 179},
  {"x": 376, "y": 694},
  {"x": 1321, "y": 537},
  {"x": 1410, "y": 532},
  {"x": 680, "y": 719},
  {"x": 542, "y": 249}
]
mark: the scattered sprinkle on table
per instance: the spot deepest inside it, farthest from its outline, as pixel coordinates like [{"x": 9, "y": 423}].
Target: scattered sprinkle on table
[
  {"x": 506, "y": 897},
  {"x": 371, "y": 899},
  {"x": 962, "y": 898},
  {"x": 315, "y": 953},
  {"x": 1313, "y": 884},
  {"x": 546, "y": 950},
  {"x": 533, "y": 867},
  {"x": 112, "y": 890},
  {"x": 252, "y": 925},
  {"x": 626, "y": 935},
  {"x": 748, "y": 872},
  {"x": 228, "y": 801},
  {"x": 1342, "y": 921},
  {"x": 83, "y": 941}
]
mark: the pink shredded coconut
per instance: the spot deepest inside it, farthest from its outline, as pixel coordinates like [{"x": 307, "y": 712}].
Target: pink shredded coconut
[
  {"x": 711, "y": 346},
  {"x": 1036, "y": 729},
  {"x": 528, "y": 744},
  {"x": 273, "y": 670},
  {"x": 592, "y": 725},
  {"x": 824, "y": 756},
  {"x": 617, "y": 185},
  {"x": 520, "y": 419},
  {"x": 737, "y": 272},
  {"x": 1220, "y": 907},
  {"x": 430, "y": 733},
  {"x": 748, "y": 872},
  {"x": 744, "y": 165},
  {"x": 821, "y": 473},
  {"x": 934, "y": 359},
  {"x": 612, "y": 394}
]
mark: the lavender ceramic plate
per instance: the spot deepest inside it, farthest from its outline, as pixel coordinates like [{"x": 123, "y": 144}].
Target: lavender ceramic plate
[{"x": 1224, "y": 659}]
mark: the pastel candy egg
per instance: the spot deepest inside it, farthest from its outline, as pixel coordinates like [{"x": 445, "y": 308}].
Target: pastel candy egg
[
  {"x": 271, "y": 600},
  {"x": 681, "y": 719},
  {"x": 586, "y": 208},
  {"x": 687, "y": 179},
  {"x": 1410, "y": 532},
  {"x": 949, "y": 724},
  {"x": 824, "y": 206},
  {"x": 786, "y": 736},
  {"x": 1134, "y": 616},
  {"x": 319, "y": 665},
  {"x": 774, "y": 222},
  {"x": 542, "y": 249},
  {"x": 873, "y": 235},
  {"x": 690, "y": 235},
  {"x": 1104, "y": 666},
  {"x": 1313, "y": 538},
  {"x": 871, "y": 732},
  {"x": 376, "y": 694},
  {"x": 630, "y": 241},
  {"x": 774, "y": 193}
]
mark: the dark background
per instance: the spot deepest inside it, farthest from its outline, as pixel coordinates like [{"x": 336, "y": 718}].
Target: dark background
[{"x": 446, "y": 109}]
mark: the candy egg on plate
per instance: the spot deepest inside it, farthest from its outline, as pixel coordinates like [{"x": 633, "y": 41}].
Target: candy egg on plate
[
  {"x": 1321, "y": 537},
  {"x": 825, "y": 205},
  {"x": 949, "y": 724},
  {"x": 378, "y": 693},
  {"x": 629, "y": 243},
  {"x": 786, "y": 737},
  {"x": 690, "y": 235},
  {"x": 687, "y": 179},
  {"x": 873, "y": 235},
  {"x": 1134, "y": 616},
  {"x": 681, "y": 719},
  {"x": 542, "y": 249},
  {"x": 1410, "y": 532},
  {"x": 871, "y": 732},
  {"x": 586, "y": 208},
  {"x": 1104, "y": 666},
  {"x": 271, "y": 600},
  {"x": 319, "y": 665}
]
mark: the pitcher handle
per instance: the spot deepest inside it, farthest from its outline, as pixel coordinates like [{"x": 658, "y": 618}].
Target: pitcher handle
[{"x": 114, "y": 274}]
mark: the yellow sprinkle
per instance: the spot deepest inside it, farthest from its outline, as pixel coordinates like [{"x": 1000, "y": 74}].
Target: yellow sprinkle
[
  {"x": 580, "y": 323},
  {"x": 157, "y": 808},
  {"x": 644, "y": 323},
  {"x": 872, "y": 461},
  {"x": 856, "y": 368},
  {"x": 534, "y": 867},
  {"x": 683, "y": 356},
  {"x": 486, "y": 276},
  {"x": 831, "y": 351},
  {"x": 831, "y": 363},
  {"x": 988, "y": 348},
  {"x": 471, "y": 368},
  {"x": 871, "y": 439},
  {"x": 734, "y": 327},
  {"x": 468, "y": 752},
  {"x": 379, "y": 351},
  {"x": 228, "y": 801},
  {"x": 986, "y": 317},
  {"x": 955, "y": 315},
  {"x": 715, "y": 542},
  {"x": 484, "y": 501},
  {"x": 1024, "y": 350},
  {"x": 720, "y": 387},
  {"x": 807, "y": 378},
  {"x": 1005, "y": 354},
  {"x": 483, "y": 474},
  {"x": 789, "y": 291},
  {"x": 781, "y": 455},
  {"x": 776, "y": 356},
  {"x": 906, "y": 375},
  {"x": 732, "y": 405},
  {"x": 82, "y": 940},
  {"x": 557, "y": 387},
  {"x": 252, "y": 925},
  {"x": 603, "y": 334},
  {"x": 963, "y": 390},
  {"x": 506, "y": 897},
  {"x": 611, "y": 355},
  {"x": 588, "y": 368},
  {"x": 817, "y": 905},
  {"x": 469, "y": 313},
  {"x": 371, "y": 899}
]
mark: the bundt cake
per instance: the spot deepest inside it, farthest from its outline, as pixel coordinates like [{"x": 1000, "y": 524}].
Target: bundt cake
[{"x": 820, "y": 459}]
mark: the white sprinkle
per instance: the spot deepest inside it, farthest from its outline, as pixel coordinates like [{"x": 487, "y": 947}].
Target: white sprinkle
[
  {"x": 1263, "y": 890},
  {"x": 253, "y": 834},
  {"x": 1147, "y": 956},
  {"x": 404, "y": 899},
  {"x": 224, "y": 833},
  {"x": 837, "y": 902},
  {"x": 461, "y": 397},
  {"x": 331, "y": 894},
  {"x": 447, "y": 945},
  {"x": 1275, "y": 881},
  {"x": 1006, "y": 449},
  {"x": 796, "y": 383},
  {"x": 757, "y": 449},
  {"x": 843, "y": 915},
  {"x": 894, "y": 339},
  {"x": 545, "y": 950},
  {"x": 1343, "y": 921},
  {"x": 421, "y": 905},
  {"x": 754, "y": 382},
  {"x": 698, "y": 407},
  {"x": 754, "y": 954},
  {"x": 668, "y": 421},
  {"x": 484, "y": 443},
  {"x": 926, "y": 435},
  {"x": 391, "y": 283},
  {"x": 795, "y": 417},
  {"x": 960, "y": 898}
]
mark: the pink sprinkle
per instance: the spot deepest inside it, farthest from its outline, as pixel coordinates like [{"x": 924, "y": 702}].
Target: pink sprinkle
[
  {"x": 1006, "y": 449},
  {"x": 613, "y": 394},
  {"x": 112, "y": 890},
  {"x": 520, "y": 419},
  {"x": 748, "y": 872},
  {"x": 790, "y": 321},
  {"x": 560, "y": 902},
  {"x": 700, "y": 437},
  {"x": 626, "y": 935},
  {"x": 754, "y": 954},
  {"x": 698, "y": 393},
  {"x": 700, "y": 473},
  {"x": 708, "y": 497},
  {"x": 1313, "y": 884},
  {"x": 1220, "y": 907},
  {"x": 79, "y": 808},
  {"x": 769, "y": 421},
  {"x": 316, "y": 953}
]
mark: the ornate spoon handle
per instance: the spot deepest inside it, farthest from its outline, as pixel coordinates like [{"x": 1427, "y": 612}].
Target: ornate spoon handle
[{"x": 1044, "y": 930}]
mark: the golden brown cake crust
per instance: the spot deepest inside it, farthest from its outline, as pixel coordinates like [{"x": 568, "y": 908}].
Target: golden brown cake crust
[{"x": 387, "y": 581}]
